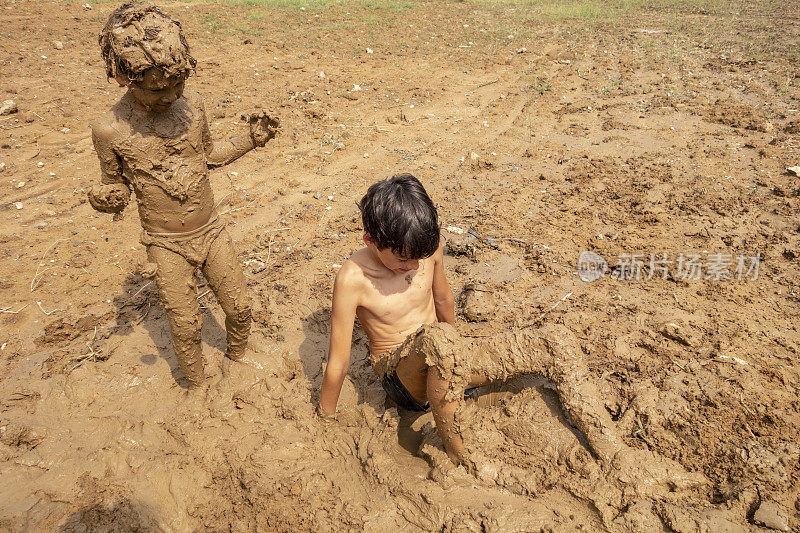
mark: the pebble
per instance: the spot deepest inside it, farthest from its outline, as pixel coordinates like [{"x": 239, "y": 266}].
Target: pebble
[
  {"x": 8, "y": 107},
  {"x": 256, "y": 265},
  {"x": 771, "y": 515},
  {"x": 794, "y": 170},
  {"x": 20, "y": 185},
  {"x": 2, "y": 167},
  {"x": 317, "y": 195},
  {"x": 18, "y": 205},
  {"x": 58, "y": 45}
]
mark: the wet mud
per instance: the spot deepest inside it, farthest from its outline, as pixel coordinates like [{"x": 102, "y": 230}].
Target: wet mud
[{"x": 669, "y": 132}]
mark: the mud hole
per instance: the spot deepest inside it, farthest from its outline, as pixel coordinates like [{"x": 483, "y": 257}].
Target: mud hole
[{"x": 662, "y": 133}]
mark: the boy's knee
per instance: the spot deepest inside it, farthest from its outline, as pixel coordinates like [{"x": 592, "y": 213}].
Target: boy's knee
[
  {"x": 437, "y": 344},
  {"x": 186, "y": 329},
  {"x": 239, "y": 313},
  {"x": 184, "y": 341}
]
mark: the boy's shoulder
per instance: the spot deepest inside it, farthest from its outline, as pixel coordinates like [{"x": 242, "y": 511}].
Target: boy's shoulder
[
  {"x": 107, "y": 125},
  {"x": 354, "y": 269}
]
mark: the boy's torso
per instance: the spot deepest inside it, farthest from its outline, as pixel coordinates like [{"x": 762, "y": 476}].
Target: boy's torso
[
  {"x": 393, "y": 306},
  {"x": 163, "y": 158}
]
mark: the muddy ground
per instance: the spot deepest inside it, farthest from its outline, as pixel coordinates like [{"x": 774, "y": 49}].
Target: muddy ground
[{"x": 654, "y": 131}]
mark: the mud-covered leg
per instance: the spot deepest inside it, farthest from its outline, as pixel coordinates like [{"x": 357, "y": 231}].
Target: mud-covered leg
[
  {"x": 444, "y": 413},
  {"x": 226, "y": 279},
  {"x": 554, "y": 352},
  {"x": 178, "y": 292}
]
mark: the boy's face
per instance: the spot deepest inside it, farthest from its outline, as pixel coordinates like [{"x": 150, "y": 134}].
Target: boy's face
[
  {"x": 394, "y": 262},
  {"x": 155, "y": 91}
]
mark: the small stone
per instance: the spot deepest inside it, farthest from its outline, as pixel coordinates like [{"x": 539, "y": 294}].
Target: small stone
[
  {"x": 255, "y": 265},
  {"x": 58, "y": 45},
  {"x": 8, "y": 107},
  {"x": 40, "y": 164},
  {"x": 2, "y": 167},
  {"x": 20, "y": 185},
  {"x": 794, "y": 170},
  {"x": 65, "y": 130},
  {"x": 40, "y": 225},
  {"x": 356, "y": 87},
  {"x": 674, "y": 331},
  {"x": 18, "y": 205},
  {"x": 317, "y": 195},
  {"x": 522, "y": 50},
  {"x": 771, "y": 515},
  {"x": 369, "y": 50},
  {"x": 321, "y": 74}
]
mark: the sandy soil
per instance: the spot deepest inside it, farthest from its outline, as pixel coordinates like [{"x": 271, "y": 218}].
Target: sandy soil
[{"x": 660, "y": 132}]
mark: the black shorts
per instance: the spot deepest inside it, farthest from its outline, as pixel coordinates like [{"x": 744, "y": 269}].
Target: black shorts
[{"x": 399, "y": 394}]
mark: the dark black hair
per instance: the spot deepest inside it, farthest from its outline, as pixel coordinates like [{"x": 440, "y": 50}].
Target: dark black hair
[{"x": 398, "y": 214}]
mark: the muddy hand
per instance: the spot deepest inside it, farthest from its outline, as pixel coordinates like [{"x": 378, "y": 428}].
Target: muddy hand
[{"x": 262, "y": 126}]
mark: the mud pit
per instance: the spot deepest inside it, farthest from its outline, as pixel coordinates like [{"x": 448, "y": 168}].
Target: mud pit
[{"x": 651, "y": 133}]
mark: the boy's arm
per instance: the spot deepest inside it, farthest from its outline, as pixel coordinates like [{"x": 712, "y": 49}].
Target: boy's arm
[
  {"x": 343, "y": 314},
  {"x": 223, "y": 152},
  {"x": 113, "y": 192},
  {"x": 442, "y": 293}
]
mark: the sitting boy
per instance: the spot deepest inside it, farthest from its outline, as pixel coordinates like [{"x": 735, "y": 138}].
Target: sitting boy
[
  {"x": 396, "y": 286},
  {"x": 155, "y": 140}
]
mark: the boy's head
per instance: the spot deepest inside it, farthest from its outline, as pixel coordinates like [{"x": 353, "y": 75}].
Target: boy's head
[
  {"x": 398, "y": 215},
  {"x": 138, "y": 38}
]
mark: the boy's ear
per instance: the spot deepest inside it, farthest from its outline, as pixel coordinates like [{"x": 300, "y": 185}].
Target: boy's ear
[
  {"x": 122, "y": 79},
  {"x": 368, "y": 240}
]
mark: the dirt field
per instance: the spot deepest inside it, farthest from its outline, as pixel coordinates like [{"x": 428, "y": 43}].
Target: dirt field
[{"x": 540, "y": 132}]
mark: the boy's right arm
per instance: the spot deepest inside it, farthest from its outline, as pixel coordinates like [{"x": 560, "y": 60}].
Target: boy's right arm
[
  {"x": 113, "y": 192},
  {"x": 343, "y": 314}
]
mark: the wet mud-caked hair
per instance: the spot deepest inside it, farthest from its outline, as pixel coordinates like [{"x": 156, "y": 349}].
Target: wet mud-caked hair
[
  {"x": 139, "y": 36},
  {"x": 398, "y": 214}
]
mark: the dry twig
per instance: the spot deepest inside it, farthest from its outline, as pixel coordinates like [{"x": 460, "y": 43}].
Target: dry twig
[
  {"x": 6, "y": 310},
  {"x": 48, "y": 313}
]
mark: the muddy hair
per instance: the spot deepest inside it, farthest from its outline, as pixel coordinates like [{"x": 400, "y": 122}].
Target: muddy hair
[
  {"x": 139, "y": 36},
  {"x": 398, "y": 214}
]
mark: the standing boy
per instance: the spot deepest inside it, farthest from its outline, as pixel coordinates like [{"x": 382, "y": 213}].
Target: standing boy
[
  {"x": 396, "y": 286},
  {"x": 156, "y": 141}
]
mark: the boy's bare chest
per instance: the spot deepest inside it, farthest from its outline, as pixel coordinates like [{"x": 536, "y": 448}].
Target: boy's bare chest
[
  {"x": 401, "y": 295},
  {"x": 165, "y": 151}
]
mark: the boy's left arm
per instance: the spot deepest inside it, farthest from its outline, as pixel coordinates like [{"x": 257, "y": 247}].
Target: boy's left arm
[
  {"x": 443, "y": 298},
  {"x": 262, "y": 129}
]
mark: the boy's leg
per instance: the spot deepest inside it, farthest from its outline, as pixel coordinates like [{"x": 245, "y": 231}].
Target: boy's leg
[
  {"x": 552, "y": 351},
  {"x": 178, "y": 292},
  {"x": 226, "y": 279}
]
